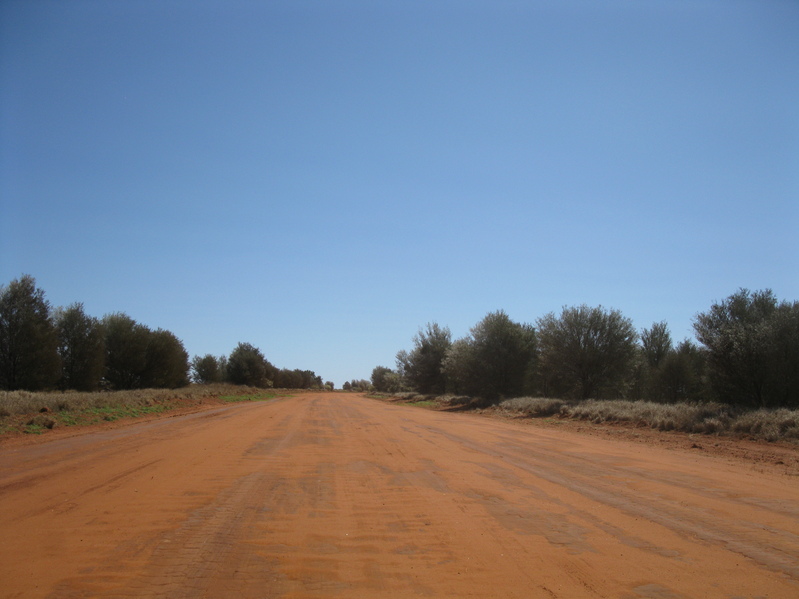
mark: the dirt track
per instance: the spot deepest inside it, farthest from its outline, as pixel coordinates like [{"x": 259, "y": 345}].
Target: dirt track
[{"x": 335, "y": 495}]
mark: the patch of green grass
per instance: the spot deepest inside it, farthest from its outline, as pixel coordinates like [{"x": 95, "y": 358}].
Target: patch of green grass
[
  {"x": 111, "y": 413},
  {"x": 252, "y": 397},
  {"x": 425, "y": 403},
  {"x": 67, "y": 419},
  {"x": 97, "y": 414}
]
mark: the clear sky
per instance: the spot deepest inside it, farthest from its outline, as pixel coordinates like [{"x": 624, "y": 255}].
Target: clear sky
[{"x": 322, "y": 178}]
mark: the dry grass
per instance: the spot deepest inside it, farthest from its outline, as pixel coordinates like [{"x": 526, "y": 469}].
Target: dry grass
[
  {"x": 31, "y": 412},
  {"x": 772, "y": 425},
  {"x": 534, "y": 406},
  {"x": 27, "y": 402},
  {"x": 454, "y": 400},
  {"x": 706, "y": 418},
  {"x": 684, "y": 417}
]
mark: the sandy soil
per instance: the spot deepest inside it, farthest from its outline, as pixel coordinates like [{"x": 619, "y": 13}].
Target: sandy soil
[{"x": 337, "y": 495}]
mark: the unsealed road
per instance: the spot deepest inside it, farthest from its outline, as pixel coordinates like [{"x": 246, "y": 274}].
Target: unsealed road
[{"x": 336, "y": 495}]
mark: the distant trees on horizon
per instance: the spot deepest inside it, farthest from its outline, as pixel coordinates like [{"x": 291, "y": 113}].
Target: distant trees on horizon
[
  {"x": 749, "y": 356},
  {"x": 358, "y": 385},
  {"x": 43, "y": 348},
  {"x": 246, "y": 365}
]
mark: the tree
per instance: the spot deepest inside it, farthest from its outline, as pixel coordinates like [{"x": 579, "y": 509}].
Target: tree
[
  {"x": 206, "y": 369},
  {"x": 386, "y": 380},
  {"x": 248, "y": 366},
  {"x": 655, "y": 349},
  {"x": 360, "y": 385},
  {"x": 166, "y": 363},
  {"x": 497, "y": 360},
  {"x": 126, "y": 351},
  {"x": 752, "y": 343},
  {"x": 223, "y": 375},
  {"x": 381, "y": 377},
  {"x": 458, "y": 367},
  {"x": 586, "y": 352},
  {"x": 505, "y": 354},
  {"x": 297, "y": 379},
  {"x": 656, "y": 343},
  {"x": 28, "y": 340},
  {"x": 81, "y": 345},
  {"x": 680, "y": 376},
  {"x": 421, "y": 367}
]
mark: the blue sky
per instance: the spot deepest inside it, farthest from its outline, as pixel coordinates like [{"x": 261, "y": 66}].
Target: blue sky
[{"x": 321, "y": 178}]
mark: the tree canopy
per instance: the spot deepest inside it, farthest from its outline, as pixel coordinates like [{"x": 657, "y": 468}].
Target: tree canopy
[
  {"x": 81, "y": 345},
  {"x": 28, "y": 339},
  {"x": 208, "y": 369},
  {"x": 248, "y": 366},
  {"x": 421, "y": 367},
  {"x": 586, "y": 352},
  {"x": 752, "y": 343},
  {"x": 497, "y": 360}
]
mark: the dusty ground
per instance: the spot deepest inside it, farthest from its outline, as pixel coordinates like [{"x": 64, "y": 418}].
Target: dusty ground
[
  {"x": 336, "y": 495},
  {"x": 763, "y": 456}
]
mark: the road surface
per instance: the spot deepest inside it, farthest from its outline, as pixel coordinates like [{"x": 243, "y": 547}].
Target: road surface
[{"x": 338, "y": 495}]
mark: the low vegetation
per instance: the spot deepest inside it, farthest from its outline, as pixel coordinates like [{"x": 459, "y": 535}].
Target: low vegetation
[
  {"x": 250, "y": 396},
  {"x": 34, "y": 412},
  {"x": 535, "y": 406},
  {"x": 707, "y": 418},
  {"x": 772, "y": 425}
]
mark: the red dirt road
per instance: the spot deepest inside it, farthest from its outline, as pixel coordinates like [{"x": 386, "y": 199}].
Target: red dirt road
[{"x": 336, "y": 495}]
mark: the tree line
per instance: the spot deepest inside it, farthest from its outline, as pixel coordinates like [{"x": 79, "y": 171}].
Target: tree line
[
  {"x": 747, "y": 354},
  {"x": 247, "y": 365},
  {"x": 358, "y": 385},
  {"x": 43, "y": 348}
]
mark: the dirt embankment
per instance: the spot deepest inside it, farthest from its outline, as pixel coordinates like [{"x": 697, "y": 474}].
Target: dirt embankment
[{"x": 334, "y": 495}]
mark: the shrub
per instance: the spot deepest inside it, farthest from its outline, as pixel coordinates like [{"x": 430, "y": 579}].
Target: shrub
[
  {"x": 772, "y": 425},
  {"x": 534, "y": 406},
  {"x": 685, "y": 417},
  {"x": 455, "y": 400}
]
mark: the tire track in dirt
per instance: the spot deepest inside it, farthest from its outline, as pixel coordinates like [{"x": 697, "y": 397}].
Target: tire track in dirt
[
  {"x": 714, "y": 522},
  {"x": 335, "y": 495}
]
